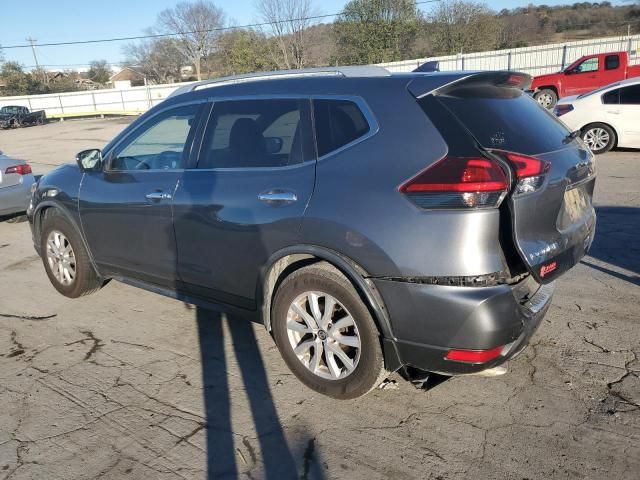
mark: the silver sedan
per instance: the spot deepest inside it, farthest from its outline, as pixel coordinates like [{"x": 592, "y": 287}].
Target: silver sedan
[{"x": 16, "y": 179}]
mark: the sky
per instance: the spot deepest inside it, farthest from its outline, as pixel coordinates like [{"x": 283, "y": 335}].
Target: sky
[{"x": 70, "y": 20}]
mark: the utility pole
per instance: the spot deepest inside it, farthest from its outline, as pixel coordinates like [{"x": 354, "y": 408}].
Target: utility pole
[{"x": 32, "y": 41}]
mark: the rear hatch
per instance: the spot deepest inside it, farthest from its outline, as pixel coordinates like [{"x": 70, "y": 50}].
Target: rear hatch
[{"x": 552, "y": 176}]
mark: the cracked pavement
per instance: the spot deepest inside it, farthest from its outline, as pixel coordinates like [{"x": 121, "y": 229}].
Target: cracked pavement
[{"x": 128, "y": 384}]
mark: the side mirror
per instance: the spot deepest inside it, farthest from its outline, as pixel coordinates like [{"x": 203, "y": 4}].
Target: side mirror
[
  {"x": 273, "y": 145},
  {"x": 90, "y": 160}
]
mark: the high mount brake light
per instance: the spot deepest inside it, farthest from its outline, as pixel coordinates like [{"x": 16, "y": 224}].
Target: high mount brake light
[
  {"x": 458, "y": 182},
  {"x": 23, "y": 169},
  {"x": 530, "y": 171}
]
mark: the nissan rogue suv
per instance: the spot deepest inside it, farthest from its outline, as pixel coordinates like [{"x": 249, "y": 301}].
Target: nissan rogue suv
[{"x": 373, "y": 222}]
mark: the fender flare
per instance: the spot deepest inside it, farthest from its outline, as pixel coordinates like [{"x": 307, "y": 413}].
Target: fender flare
[
  {"x": 37, "y": 224},
  {"x": 350, "y": 269},
  {"x": 282, "y": 259}
]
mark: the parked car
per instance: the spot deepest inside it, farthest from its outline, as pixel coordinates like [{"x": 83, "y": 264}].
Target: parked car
[
  {"x": 14, "y": 116},
  {"x": 372, "y": 222},
  {"x": 582, "y": 76},
  {"x": 16, "y": 180},
  {"x": 607, "y": 117}
]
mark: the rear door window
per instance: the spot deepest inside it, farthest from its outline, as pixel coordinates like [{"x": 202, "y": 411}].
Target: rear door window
[
  {"x": 612, "y": 97},
  {"x": 630, "y": 95},
  {"x": 258, "y": 133},
  {"x": 506, "y": 119},
  {"x": 611, "y": 62},
  {"x": 337, "y": 123}
]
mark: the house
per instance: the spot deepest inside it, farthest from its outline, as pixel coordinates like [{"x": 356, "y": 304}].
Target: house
[{"x": 128, "y": 77}]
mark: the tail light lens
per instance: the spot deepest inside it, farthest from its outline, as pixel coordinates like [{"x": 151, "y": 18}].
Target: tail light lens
[
  {"x": 530, "y": 171},
  {"x": 560, "y": 110},
  {"x": 458, "y": 182},
  {"x": 474, "y": 356},
  {"x": 23, "y": 169}
]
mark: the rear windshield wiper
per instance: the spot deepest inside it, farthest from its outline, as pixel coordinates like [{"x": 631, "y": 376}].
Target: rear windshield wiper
[{"x": 571, "y": 136}]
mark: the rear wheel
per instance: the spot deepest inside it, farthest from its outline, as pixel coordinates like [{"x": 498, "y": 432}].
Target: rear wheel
[
  {"x": 65, "y": 258},
  {"x": 546, "y": 97},
  {"x": 599, "y": 137},
  {"x": 326, "y": 334}
]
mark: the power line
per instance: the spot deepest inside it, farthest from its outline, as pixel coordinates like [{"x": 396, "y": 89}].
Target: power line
[
  {"x": 174, "y": 34},
  {"x": 567, "y": 26}
]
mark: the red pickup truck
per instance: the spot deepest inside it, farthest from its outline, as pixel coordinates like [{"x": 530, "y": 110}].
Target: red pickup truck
[{"x": 585, "y": 74}]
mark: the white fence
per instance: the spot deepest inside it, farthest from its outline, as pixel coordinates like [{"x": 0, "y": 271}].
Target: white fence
[
  {"x": 533, "y": 60},
  {"x": 131, "y": 101}
]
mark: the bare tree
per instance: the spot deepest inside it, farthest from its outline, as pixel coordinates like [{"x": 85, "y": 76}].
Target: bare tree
[
  {"x": 197, "y": 25},
  {"x": 463, "y": 26},
  {"x": 288, "y": 23},
  {"x": 159, "y": 59}
]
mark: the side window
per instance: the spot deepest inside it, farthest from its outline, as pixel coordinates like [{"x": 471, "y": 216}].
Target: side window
[
  {"x": 159, "y": 144},
  {"x": 589, "y": 65},
  {"x": 612, "y": 97},
  {"x": 257, "y": 134},
  {"x": 611, "y": 62},
  {"x": 630, "y": 95},
  {"x": 338, "y": 123}
]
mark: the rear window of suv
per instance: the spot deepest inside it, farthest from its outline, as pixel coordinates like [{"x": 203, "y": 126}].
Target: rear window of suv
[
  {"x": 506, "y": 119},
  {"x": 338, "y": 123}
]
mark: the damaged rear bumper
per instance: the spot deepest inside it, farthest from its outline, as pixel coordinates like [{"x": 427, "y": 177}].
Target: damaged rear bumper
[{"x": 430, "y": 320}]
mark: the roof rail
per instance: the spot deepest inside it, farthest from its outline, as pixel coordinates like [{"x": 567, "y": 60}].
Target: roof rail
[{"x": 350, "y": 72}]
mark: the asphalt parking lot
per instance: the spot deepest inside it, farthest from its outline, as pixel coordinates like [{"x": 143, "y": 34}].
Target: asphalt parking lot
[{"x": 127, "y": 384}]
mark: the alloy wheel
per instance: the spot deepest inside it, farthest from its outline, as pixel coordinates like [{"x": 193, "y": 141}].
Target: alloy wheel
[
  {"x": 596, "y": 138},
  {"x": 61, "y": 258},
  {"x": 323, "y": 335}
]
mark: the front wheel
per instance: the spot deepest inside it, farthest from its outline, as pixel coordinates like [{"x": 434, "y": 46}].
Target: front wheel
[
  {"x": 326, "y": 334},
  {"x": 546, "y": 97},
  {"x": 600, "y": 138},
  {"x": 65, "y": 258}
]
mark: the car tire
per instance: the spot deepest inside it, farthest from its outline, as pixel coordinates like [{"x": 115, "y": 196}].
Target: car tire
[
  {"x": 599, "y": 137},
  {"x": 546, "y": 97},
  {"x": 65, "y": 257},
  {"x": 358, "y": 366}
]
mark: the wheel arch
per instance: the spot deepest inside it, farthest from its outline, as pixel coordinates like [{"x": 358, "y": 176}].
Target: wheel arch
[
  {"x": 548, "y": 87},
  {"x": 286, "y": 261},
  {"x": 48, "y": 205}
]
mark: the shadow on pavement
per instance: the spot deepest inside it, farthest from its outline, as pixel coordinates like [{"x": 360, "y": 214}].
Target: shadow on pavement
[
  {"x": 277, "y": 458},
  {"x": 617, "y": 242}
]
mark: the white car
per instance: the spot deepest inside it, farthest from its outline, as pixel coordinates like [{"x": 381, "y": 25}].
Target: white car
[{"x": 607, "y": 117}]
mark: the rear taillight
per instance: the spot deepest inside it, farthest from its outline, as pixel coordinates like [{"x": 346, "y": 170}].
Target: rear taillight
[
  {"x": 562, "y": 109},
  {"x": 458, "y": 182},
  {"x": 23, "y": 169},
  {"x": 530, "y": 171}
]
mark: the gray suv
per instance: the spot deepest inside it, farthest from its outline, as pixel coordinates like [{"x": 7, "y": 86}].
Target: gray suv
[{"x": 373, "y": 222}]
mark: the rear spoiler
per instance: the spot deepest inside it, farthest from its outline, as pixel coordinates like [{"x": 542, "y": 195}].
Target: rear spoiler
[{"x": 422, "y": 86}]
